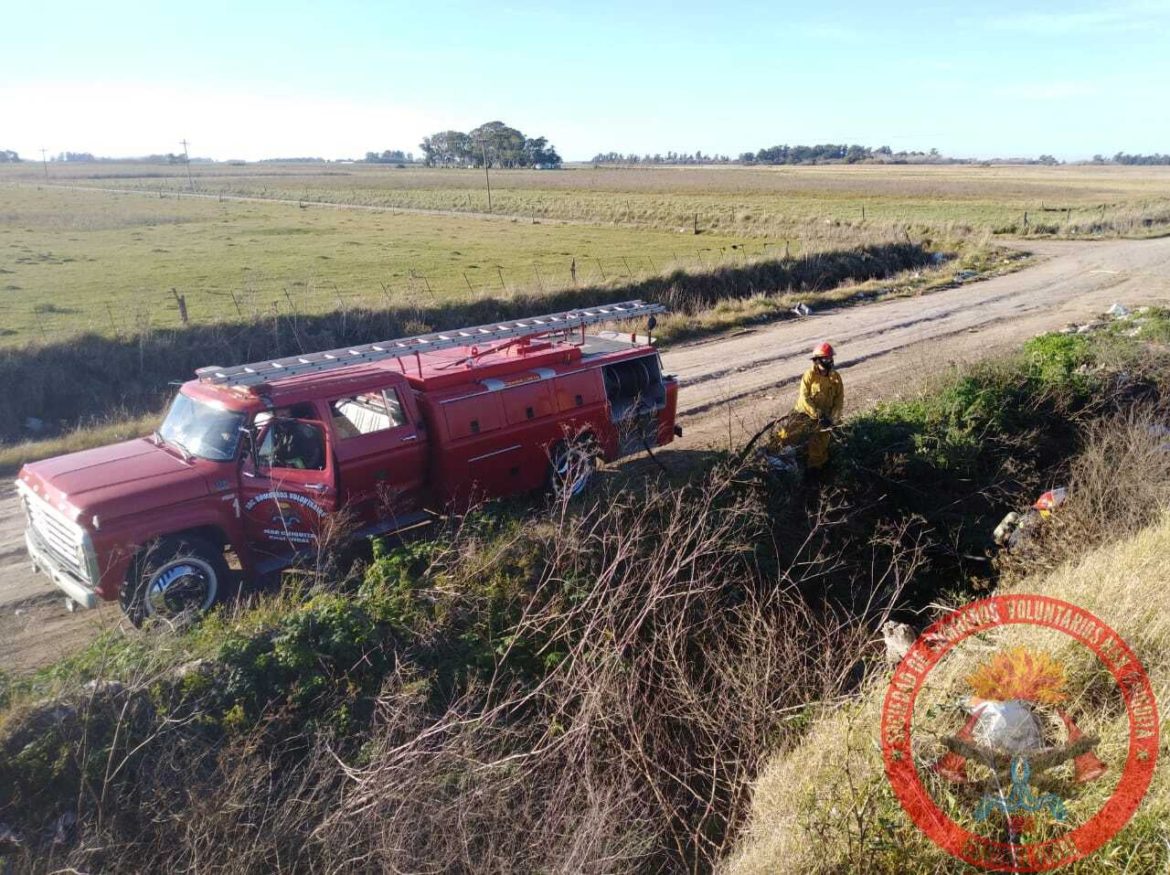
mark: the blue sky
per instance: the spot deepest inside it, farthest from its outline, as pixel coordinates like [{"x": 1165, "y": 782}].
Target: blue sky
[{"x": 250, "y": 80}]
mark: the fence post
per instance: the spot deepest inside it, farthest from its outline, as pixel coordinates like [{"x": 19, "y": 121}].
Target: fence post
[{"x": 181, "y": 300}]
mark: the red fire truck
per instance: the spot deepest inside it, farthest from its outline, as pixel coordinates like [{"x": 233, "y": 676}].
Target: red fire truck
[{"x": 254, "y": 460}]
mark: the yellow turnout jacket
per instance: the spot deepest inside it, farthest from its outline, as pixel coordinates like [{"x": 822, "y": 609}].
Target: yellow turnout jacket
[{"x": 821, "y": 395}]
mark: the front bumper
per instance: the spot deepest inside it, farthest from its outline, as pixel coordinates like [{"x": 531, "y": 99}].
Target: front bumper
[{"x": 65, "y": 580}]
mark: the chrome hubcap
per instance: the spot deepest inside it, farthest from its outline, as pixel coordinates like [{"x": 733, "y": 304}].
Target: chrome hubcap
[
  {"x": 573, "y": 468},
  {"x": 179, "y": 587}
]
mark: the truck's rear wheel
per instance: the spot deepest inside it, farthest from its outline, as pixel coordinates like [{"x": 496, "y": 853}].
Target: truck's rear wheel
[
  {"x": 571, "y": 467},
  {"x": 175, "y": 577}
]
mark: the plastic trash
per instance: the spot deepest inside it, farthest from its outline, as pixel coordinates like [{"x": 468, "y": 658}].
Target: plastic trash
[
  {"x": 1051, "y": 500},
  {"x": 802, "y": 309},
  {"x": 1009, "y": 727},
  {"x": 1118, "y": 311},
  {"x": 1006, "y": 526},
  {"x": 783, "y": 461}
]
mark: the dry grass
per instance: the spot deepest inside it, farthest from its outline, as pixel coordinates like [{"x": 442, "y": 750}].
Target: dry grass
[
  {"x": 748, "y": 200},
  {"x": 826, "y": 805}
]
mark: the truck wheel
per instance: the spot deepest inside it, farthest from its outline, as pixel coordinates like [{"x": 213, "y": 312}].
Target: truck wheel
[
  {"x": 175, "y": 577},
  {"x": 571, "y": 467}
]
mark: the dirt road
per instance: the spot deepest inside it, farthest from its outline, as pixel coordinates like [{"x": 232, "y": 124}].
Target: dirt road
[{"x": 733, "y": 384}]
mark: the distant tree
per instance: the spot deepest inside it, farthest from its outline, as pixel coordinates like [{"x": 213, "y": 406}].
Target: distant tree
[
  {"x": 857, "y": 153},
  {"x": 1098, "y": 159},
  {"x": 502, "y": 146},
  {"x": 452, "y": 149},
  {"x": 1048, "y": 160},
  {"x": 539, "y": 154},
  {"x": 498, "y": 143},
  {"x": 8, "y": 156},
  {"x": 429, "y": 151}
]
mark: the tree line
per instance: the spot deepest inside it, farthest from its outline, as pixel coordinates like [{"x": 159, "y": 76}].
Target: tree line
[
  {"x": 1123, "y": 158},
  {"x": 824, "y": 153},
  {"x": 8, "y": 156},
  {"x": 389, "y": 156},
  {"x": 658, "y": 158},
  {"x": 494, "y": 143}
]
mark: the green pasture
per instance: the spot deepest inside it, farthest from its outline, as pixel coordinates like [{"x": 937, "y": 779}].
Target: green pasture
[
  {"x": 100, "y": 246},
  {"x": 74, "y": 260}
]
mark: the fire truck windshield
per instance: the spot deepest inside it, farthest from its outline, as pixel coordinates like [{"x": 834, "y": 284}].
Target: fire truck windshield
[{"x": 200, "y": 429}]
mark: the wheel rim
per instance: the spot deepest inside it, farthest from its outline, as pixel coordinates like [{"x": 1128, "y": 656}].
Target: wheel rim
[
  {"x": 181, "y": 586},
  {"x": 573, "y": 468}
]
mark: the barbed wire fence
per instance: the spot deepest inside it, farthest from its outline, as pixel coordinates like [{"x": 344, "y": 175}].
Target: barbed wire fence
[{"x": 173, "y": 308}]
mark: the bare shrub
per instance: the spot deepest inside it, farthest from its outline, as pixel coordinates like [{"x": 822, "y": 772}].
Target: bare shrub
[
  {"x": 675, "y": 666},
  {"x": 1118, "y": 484}
]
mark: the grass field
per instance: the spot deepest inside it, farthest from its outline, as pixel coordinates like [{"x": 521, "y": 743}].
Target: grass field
[
  {"x": 75, "y": 257},
  {"x": 782, "y": 201},
  {"x": 76, "y": 260}
]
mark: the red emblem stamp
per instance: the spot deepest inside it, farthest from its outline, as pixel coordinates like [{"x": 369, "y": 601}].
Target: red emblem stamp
[{"x": 1000, "y": 766}]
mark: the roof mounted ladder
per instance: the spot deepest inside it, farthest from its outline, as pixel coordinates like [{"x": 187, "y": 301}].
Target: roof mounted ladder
[{"x": 259, "y": 373}]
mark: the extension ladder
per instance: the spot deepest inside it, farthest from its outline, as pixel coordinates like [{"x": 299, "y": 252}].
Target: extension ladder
[{"x": 283, "y": 368}]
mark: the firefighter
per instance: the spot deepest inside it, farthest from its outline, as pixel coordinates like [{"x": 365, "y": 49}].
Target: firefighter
[{"x": 817, "y": 409}]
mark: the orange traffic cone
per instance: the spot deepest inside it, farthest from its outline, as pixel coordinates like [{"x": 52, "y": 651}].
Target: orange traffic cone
[
  {"x": 1088, "y": 766},
  {"x": 951, "y": 765}
]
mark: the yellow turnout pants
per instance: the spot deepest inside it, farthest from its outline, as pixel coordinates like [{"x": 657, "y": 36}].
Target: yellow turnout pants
[{"x": 803, "y": 431}]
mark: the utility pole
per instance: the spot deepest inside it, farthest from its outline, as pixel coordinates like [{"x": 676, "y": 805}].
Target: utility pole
[
  {"x": 486, "y": 175},
  {"x": 45, "y": 161},
  {"x": 187, "y": 160}
]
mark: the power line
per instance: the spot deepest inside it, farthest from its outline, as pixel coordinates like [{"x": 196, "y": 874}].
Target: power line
[{"x": 45, "y": 161}]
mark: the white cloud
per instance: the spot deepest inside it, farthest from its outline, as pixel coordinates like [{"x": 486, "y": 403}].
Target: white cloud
[{"x": 123, "y": 119}]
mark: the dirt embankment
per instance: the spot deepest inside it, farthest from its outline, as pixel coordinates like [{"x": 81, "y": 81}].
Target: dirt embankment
[{"x": 733, "y": 384}]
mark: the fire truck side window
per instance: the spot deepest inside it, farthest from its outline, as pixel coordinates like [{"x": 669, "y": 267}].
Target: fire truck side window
[
  {"x": 289, "y": 443},
  {"x": 367, "y": 413}
]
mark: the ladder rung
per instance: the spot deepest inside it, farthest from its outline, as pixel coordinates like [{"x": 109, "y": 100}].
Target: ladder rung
[{"x": 284, "y": 368}]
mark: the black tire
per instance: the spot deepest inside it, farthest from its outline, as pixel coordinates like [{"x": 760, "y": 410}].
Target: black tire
[
  {"x": 571, "y": 467},
  {"x": 177, "y": 577}
]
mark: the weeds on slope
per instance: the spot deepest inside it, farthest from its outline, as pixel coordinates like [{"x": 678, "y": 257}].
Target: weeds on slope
[{"x": 825, "y": 806}]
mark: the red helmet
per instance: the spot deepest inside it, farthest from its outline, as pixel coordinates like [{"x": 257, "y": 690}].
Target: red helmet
[{"x": 823, "y": 351}]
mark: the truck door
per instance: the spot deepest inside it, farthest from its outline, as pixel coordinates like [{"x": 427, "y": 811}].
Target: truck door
[
  {"x": 287, "y": 487},
  {"x": 382, "y": 453}
]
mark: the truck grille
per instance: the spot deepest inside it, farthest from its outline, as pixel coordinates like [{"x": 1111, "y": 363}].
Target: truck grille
[{"x": 56, "y": 535}]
